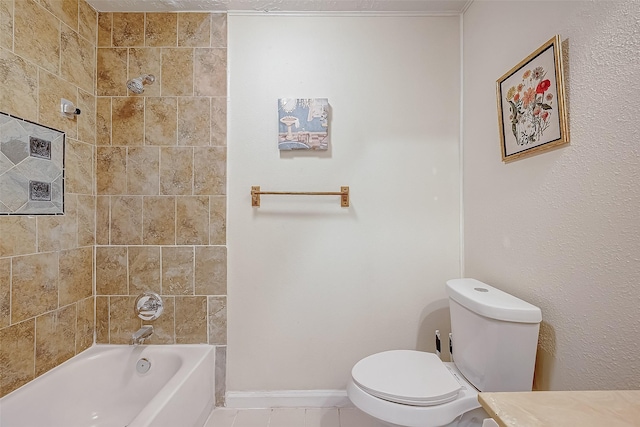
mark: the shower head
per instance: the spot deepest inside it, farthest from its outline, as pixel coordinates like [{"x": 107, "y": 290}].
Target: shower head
[{"x": 137, "y": 85}]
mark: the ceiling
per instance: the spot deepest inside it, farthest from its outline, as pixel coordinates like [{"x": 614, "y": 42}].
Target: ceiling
[{"x": 363, "y": 6}]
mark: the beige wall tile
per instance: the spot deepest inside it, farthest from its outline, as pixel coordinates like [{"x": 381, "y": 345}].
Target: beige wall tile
[
  {"x": 87, "y": 22},
  {"x": 194, "y": 29},
  {"x": 123, "y": 322},
  {"x": 191, "y": 320},
  {"x": 77, "y": 59},
  {"x": 161, "y": 29},
  {"x": 146, "y": 60},
  {"x": 86, "y": 220},
  {"x": 218, "y": 220},
  {"x": 160, "y": 121},
  {"x": 52, "y": 88},
  {"x": 34, "y": 289},
  {"x": 194, "y": 121},
  {"x": 126, "y": 220},
  {"x": 18, "y": 235},
  {"x": 87, "y": 119},
  {"x": 219, "y": 30},
  {"x": 78, "y": 167},
  {"x": 102, "y": 320},
  {"x": 6, "y": 24},
  {"x": 41, "y": 47},
  {"x": 128, "y": 29},
  {"x": 17, "y": 355},
  {"x": 76, "y": 275},
  {"x": 111, "y": 76},
  {"x": 217, "y": 319},
  {"x": 164, "y": 326},
  {"x": 159, "y": 220},
  {"x": 219, "y": 121},
  {"x": 103, "y": 219},
  {"x": 177, "y": 270},
  {"x": 59, "y": 232},
  {"x": 111, "y": 270},
  {"x": 19, "y": 88},
  {"x": 103, "y": 121},
  {"x": 105, "y": 23},
  {"x": 192, "y": 220},
  {"x": 177, "y": 72},
  {"x": 176, "y": 170},
  {"x": 127, "y": 121},
  {"x": 144, "y": 269},
  {"x": 211, "y": 270},
  {"x": 143, "y": 170},
  {"x": 210, "y": 72},
  {"x": 5, "y": 292},
  {"x": 111, "y": 170},
  {"x": 65, "y": 10},
  {"x": 55, "y": 338},
  {"x": 85, "y": 324},
  {"x": 210, "y": 170}
]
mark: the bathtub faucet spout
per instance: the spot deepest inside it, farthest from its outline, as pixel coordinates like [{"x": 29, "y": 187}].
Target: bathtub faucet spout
[{"x": 141, "y": 334}]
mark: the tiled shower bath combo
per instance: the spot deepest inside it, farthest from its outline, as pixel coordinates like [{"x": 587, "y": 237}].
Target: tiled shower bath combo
[{"x": 144, "y": 176}]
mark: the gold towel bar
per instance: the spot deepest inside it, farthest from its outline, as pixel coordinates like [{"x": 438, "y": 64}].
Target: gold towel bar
[{"x": 343, "y": 193}]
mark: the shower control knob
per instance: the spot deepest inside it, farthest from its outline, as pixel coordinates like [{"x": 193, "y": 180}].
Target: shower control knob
[{"x": 149, "y": 306}]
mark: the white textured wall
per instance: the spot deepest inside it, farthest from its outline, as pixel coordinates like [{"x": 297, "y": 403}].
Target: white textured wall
[
  {"x": 562, "y": 229},
  {"x": 314, "y": 287}
]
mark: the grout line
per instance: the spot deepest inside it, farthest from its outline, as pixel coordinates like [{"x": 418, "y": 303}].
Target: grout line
[
  {"x": 109, "y": 221},
  {"x": 144, "y": 30},
  {"x": 128, "y": 272},
  {"x": 162, "y": 279},
  {"x": 461, "y": 239},
  {"x": 108, "y": 319}
]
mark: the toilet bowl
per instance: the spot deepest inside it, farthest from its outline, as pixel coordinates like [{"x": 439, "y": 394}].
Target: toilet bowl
[{"x": 495, "y": 337}]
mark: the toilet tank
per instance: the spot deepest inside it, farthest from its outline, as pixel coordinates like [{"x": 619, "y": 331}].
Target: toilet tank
[{"x": 494, "y": 334}]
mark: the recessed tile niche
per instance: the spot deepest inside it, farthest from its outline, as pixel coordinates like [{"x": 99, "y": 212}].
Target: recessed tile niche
[{"x": 31, "y": 168}]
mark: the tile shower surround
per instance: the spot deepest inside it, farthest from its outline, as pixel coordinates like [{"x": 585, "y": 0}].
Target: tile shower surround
[
  {"x": 161, "y": 177},
  {"x": 46, "y": 262},
  {"x": 146, "y": 178}
]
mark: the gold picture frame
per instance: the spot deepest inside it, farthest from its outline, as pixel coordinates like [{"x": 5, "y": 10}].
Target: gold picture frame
[{"x": 532, "y": 114}]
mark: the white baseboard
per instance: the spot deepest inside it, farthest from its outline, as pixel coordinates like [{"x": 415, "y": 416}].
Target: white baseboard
[{"x": 288, "y": 399}]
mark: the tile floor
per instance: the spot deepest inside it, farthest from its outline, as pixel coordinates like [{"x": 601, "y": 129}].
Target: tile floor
[{"x": 290, "y": 417}]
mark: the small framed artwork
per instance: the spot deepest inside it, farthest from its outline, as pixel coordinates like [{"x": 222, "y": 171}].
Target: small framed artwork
[
  {"x": 303, "y": 124},
  {"x": 532, "y": 115}
]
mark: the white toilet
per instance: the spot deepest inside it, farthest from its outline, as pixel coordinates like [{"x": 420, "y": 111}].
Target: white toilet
[{"x": 494, "y": 340}]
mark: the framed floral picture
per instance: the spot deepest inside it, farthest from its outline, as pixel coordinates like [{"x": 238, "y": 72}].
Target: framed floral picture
[{"x": 532, "y": 115}]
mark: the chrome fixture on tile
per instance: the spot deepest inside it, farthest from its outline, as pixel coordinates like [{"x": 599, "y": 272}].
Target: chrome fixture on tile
[
  {"x": 137, "y": 85},
  {"x": 141, "y": 334},
  {"x": 67, "y": 109},
  {"x": 148, "y": 306}
]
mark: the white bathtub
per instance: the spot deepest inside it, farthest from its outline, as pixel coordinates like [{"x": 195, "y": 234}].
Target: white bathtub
[{"x": 102, "y": 388}]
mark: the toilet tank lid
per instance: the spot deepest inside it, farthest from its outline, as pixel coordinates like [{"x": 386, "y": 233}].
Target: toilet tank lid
[{"x": 488, "y": 301}]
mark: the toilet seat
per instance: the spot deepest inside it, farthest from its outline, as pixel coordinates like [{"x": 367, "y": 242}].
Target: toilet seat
[{"x": 407, "y": 377}]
